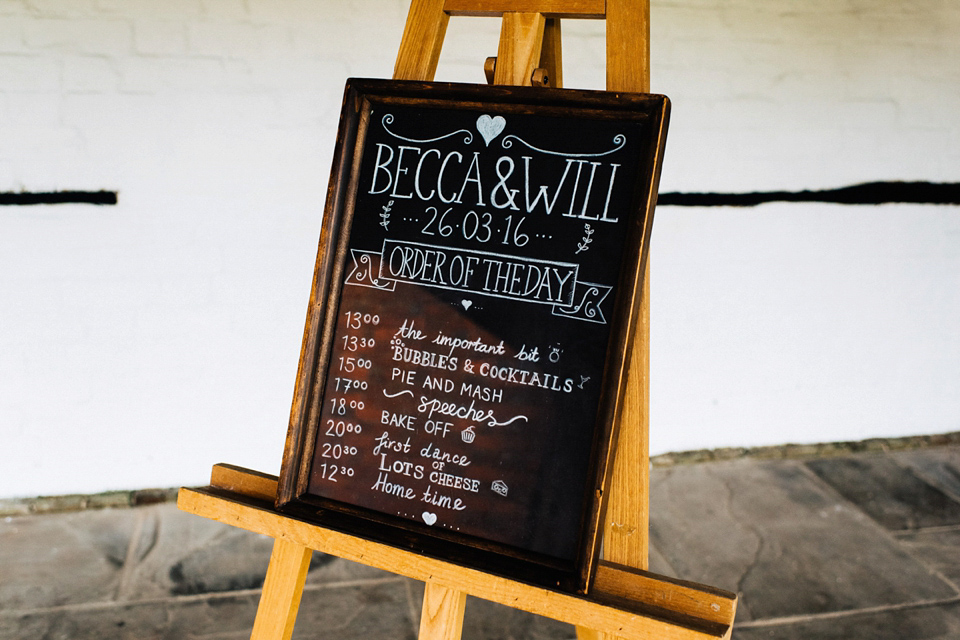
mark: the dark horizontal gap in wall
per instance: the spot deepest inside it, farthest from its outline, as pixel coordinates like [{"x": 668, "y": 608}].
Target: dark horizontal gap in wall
[
  {"x": 868, "y": 193},
  {"x": 24, "y": 198}
]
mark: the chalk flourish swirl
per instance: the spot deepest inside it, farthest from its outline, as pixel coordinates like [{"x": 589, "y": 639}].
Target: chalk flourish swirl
[
  {"x": 388, "y": 119},
  {"x": 494, "y": 423},
  {"x": 619, "y": 141},
  {"x": 398, "y": 393}
]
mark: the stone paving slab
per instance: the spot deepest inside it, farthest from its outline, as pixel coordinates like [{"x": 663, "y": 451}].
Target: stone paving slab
[
  {"x": 938, "y": 549},
  {"x": 658, "y": 563},
  {"x": 178, "y": 553},
  {"x": 938, "y": 467},
  {"x": 175, "y": 554},
  {"x": 385, "y": 608},
  {"x": 48, "y": 561},
  {"x": 772, "y": 532},
  {"x": 940, "y": 622},
  {"x": 891, "y": 494},
  {"x": 805, "y": 550},
  {"x": 375, "y": 609}
]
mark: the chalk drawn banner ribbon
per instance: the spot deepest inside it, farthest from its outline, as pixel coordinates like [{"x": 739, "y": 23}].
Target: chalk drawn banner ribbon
[
  {"x": 364, "y": 273},
  {"x": 589, "y": 299},
  {"x": 517, "y": 278}
]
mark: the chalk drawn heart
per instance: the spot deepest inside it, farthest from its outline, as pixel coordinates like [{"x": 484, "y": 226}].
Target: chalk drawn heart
[
  {"x": 489, "y": 127},
  {"x": 466, "y": 304},
  {"x": 429, "y": 518}
]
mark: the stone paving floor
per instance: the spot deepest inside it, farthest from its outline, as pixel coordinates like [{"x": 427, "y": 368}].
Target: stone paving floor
[{"x": 853, "y": 546}]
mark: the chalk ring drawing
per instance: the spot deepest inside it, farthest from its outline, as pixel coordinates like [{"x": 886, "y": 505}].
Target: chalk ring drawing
[
  {"x": 489, "y": 127},
  {"x": 619, "y": 141},
  {"x": 500, "y": 487},
  {"x": 388, "y": 119},
  {"x": 429, "y": 518}
]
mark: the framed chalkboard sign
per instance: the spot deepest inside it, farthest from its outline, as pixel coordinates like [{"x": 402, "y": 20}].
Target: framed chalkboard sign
[{"x": 475, "y": 294}]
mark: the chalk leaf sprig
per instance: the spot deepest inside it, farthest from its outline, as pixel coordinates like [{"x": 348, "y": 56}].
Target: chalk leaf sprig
[
  {"x": 385, "y": 216},
  {"x": 587, "y": 239}
]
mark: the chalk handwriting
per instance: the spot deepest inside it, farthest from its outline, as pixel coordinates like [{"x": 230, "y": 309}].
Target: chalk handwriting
[
  {"x": 483, "y": 272},
  {"x": 428, "y": 173}
]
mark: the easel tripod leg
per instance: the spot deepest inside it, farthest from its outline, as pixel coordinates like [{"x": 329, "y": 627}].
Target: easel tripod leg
[
  {"x": 442, "y": 614},
  {"x": 282, "y": 590},
  {"x": 626, "y": 535}
]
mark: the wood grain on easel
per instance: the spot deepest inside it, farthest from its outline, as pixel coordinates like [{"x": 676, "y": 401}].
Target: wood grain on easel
[
  {"x": 521, "y": 41},
  {"x": 239, "y": 480},
  {"x": 628, "y": 45},
  {"x": 442, "y": 615},
  {"x": 422, "y": 40},
  {"x": 626, "y": 537},
  {"x": 551, "y": 54},
  {"x": 551, "y": 8},
  {"x": 282, "y": 590},
  {"x": 682, "y": 596}
]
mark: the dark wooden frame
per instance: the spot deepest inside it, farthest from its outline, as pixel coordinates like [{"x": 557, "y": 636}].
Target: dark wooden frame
[{"x": 293, "y": 496}]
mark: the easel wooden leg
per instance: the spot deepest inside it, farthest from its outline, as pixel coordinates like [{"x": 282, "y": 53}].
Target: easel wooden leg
[
  {"x": 626, "y": 532},
  {"x": 422, "y": 40},
  {"x": 552, "y": 54},
  {"x": 626, "y": 539},
  {"x": 588, "y": 634},
  {"x": 521, "y": 41},
  {"x": 442, "y": 614},
  {"x": 628, "y": 45},
  {"x": 282, "y": 590}
]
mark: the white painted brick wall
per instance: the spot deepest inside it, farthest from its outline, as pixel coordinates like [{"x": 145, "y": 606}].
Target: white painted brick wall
[
  {"x": 75, "y": 35},
  {"x": 141, "y": 343},
  {"x": 836, "y": 92}
]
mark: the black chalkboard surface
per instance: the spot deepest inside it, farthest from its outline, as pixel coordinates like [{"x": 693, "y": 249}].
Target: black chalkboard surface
[{"x": 476, "y": 289}]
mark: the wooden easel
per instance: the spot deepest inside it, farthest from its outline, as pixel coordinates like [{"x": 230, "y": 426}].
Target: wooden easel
[{"x": 625, "y": 600}]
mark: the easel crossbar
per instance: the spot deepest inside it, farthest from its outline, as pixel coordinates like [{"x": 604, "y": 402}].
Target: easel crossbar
[
  {"x": 584, "y": 9},
  {"x": 624, "y": 602}
]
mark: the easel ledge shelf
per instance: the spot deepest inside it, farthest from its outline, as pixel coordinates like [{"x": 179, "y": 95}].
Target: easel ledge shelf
[{"x": 624, "y": 602}]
